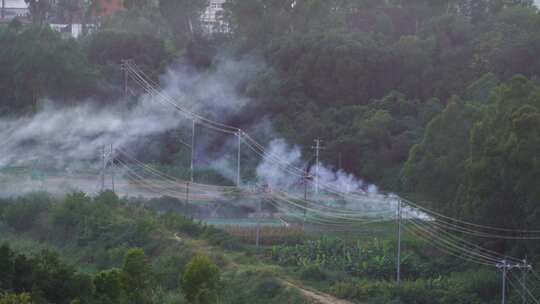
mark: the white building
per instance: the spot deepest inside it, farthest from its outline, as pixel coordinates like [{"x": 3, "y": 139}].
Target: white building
[
  {"x": 68, "y": 30},
  {"x": 10, "y": 9},
  {"x": 212, "y": 19}
]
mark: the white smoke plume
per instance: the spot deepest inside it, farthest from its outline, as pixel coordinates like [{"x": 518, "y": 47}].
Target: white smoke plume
[
  {"x": 214, "y": 94},
  {"x": 272, "y": 172},
  {"x": 280, "y": 155},
  {"x": 61, "y": 136},
  {"x": 58, "y": 136}
]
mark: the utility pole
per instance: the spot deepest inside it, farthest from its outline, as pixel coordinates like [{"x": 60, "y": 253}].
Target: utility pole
[
  {"x": 258, "y": 233},
  {"x": 238, "y": 177},
  {"x": 3, "y": 8},
  {"x": 503, "y": 266},
  {"x": 103, "y": 166},
  {"x": 126, "y": 76},
  {"x": 306, "y": 177},
  {"x": 263, "y": 190},
  {"x": 192, "y": 149},
  {"x": 112, "y": 167},
  {"x": 524, "y": 269},
  {"x": 317, "y": 148},
  {"x": 187, "y": 192},
  {"x": 398, "y": 257},
  {"x": 340, "y": 165}
]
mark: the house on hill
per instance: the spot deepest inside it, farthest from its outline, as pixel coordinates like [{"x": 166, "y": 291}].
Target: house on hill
[
  {"x": 10, "y": 9},
  {"x": 212, "y": 18}
]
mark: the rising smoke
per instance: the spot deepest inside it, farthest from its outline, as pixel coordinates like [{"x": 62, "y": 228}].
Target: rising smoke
[{"x": 63, "y": 136}]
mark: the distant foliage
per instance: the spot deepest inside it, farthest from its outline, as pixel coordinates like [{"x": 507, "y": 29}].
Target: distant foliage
[
  {"x": 37, "y": 63},
  {"x": 137, "y": 278},
  {"x": 43, "y": 277},
  {"x": 200, "y": 280},
  {"x": 477, "y": 158}
]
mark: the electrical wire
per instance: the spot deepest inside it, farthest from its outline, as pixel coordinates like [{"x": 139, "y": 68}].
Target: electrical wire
[
  {"x": 522, "y": 287},
  {"x": 461, "y": 244},
  {"x": 447, "y": 249},
  {"x": 452, "y": 244},
  {"x": 151, "y": 88}
]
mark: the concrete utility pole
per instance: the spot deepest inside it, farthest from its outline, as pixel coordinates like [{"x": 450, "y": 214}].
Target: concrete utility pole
[
  {"x": 524, "y": 269},
  {"x": 317, "y": 148},
  {"x": 103, "y": 166},
  {"x": 503, "y": 266},
  {"x": 192, "y": 150},
  {"x": 306, "y": 177},
  {"x": 398, "y": 230},
  {"x": 124, "y": 68},
  {"x": 263, "y": 190},
  {"x": 258, "y": 233},
  {"x": 238, "y": 177},
  {"x": 187, "y": 193},
  {"x": 112, "y": 167}
]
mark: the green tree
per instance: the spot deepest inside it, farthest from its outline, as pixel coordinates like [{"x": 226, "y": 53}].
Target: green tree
[
  {"x": 137, "y": 276},
  {"x": 47, "y": 66},
  {"x": 108, "y": 48},
  {"x": 109, "y": 288},
  {"x": 23, "y": 298},
  {"x": 502, "y": 165},
  {"x": 39, "y": 10},
  {"x": 435, "y": 167},
  {"x": 58, "y": 282},
  {"x": 7, "y": 267},
  {"x": 183, "y": 17},
  {"x": 200, "y": 280}
]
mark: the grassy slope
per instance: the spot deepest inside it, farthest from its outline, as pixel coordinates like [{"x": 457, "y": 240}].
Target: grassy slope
[{"x": 247, "y": 275}]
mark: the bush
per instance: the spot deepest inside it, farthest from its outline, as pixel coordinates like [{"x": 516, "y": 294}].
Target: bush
[
  {"x": 167, "y": 268},
  {"x": 269, "y": 288},
  {"x": 313, "y": 273},
  {"x": 222, "y": 239},
  {"x": 345, "y": 290},
  {"x": 109, "y": 48},
  {"x": 200, "y": 280},
  {"x": 180, "y": 223},
  {"x": 24, "y": 213},
  {"x": 23, "y": 298},
  {"x": 137, "y": 276}
]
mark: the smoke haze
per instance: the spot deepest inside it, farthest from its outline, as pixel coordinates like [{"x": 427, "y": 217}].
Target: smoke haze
[{"x": 61, "y": 137}]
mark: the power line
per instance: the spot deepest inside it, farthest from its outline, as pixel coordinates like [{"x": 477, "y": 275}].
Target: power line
[{"x": 147, "y": 84}]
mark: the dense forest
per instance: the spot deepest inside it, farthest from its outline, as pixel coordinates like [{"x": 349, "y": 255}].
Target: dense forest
[
  {"x": 437, "y": 100},
  {"x": 434, "y": 99}
]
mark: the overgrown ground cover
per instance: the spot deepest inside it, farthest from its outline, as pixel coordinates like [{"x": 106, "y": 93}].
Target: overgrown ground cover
[{"x": 99, "y": 234}]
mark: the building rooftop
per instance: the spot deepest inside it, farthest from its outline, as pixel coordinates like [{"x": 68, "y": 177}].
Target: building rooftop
[{"x": 14, "y": 4}]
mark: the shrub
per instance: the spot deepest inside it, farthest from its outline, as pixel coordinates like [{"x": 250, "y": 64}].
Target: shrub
[
  {"x": 269, "y": 288},
  {"x": 345, "y": 290},
  {"x": 137, "y": 276},
  {"x": 313, "y": 273},
  {"x": 180, "y": 223},
  {"x": 200, "y": 280},
  {"x": 23, "y": 298},
  {"x": 220, "y": 238},
  {"x": 23, "y": 213},
  {"x": 109, "y": 286},
  {"x": 167, "y": 268}
]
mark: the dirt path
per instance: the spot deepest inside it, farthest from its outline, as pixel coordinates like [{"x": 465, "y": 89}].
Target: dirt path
[{"x": 317, "y": 296}]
